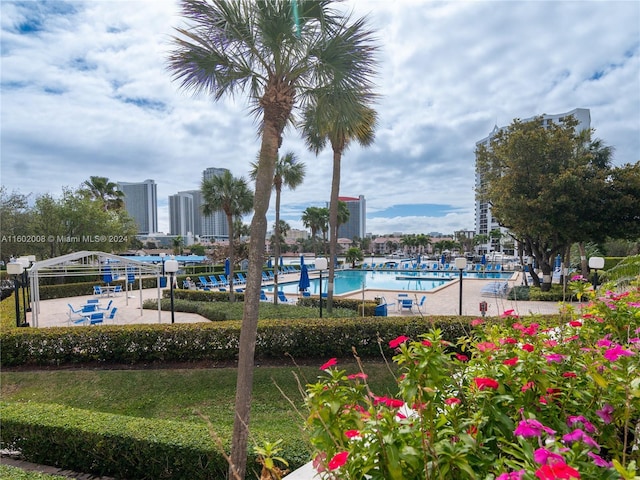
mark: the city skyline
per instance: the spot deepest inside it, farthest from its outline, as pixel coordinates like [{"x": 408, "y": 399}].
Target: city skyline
[{"x": 85, "y": 92}]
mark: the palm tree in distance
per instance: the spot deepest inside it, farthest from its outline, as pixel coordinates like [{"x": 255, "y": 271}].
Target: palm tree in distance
[
  {"x": 312, "y": 218},
  {"x": 289, "y": 173},
  {"x": 233, "y": 196},
  {"x": 327, "y": 120},
  {"x": 104, "y": 191},
  {"x": 278, "y": 59}
]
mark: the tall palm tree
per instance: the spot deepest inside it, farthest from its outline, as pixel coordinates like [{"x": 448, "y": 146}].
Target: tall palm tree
[
  {"x": 104, "y": 191},
  {"x": 312, "y": 218},
  {"x": 289, "y": 173},
  {"x": 233, "y": 196},
  {"x": 255, "y": 47},
  {"x": 327, "y": 119}
]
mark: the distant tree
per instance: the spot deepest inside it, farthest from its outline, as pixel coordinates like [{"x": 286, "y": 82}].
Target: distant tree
[
  {"x": 197, "y": 249},
  {"x": 313, "y": 218},
  {"x": 354, "y": 254},
  {"x": 15, "y": 219},
  {"x": 177, "y": 243},
  {"x": 103, "y": 191},
  {"x": 288, "y": 173},
  {"x": 233, "y": 196}
]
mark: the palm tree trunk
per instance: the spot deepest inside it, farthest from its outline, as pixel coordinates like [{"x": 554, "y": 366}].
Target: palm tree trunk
[
  {"x": 231, "y": 258},
  {"x": 249, "y": 330},
  {"x": 333, "y": 228},
  {"x": 276, "y": 249}
]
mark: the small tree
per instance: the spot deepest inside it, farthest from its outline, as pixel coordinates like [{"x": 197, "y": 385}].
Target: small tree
[{"x": 354, "y": 254}]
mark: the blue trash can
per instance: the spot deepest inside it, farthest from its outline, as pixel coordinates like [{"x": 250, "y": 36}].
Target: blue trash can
[{"x": 163, "y": 282}]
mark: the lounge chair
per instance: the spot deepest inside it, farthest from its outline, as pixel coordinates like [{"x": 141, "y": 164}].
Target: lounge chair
[
  {"x": 263, "y": 297},
  {"x": 213, "y": 281},
  {"x": 495, "y": 289},
  {"x": 204, "y": 283},
  {"x": 282, "y": 298},
  {"x": 241, "y": 278},
  {"x": 223, "y": 281},
  {"x": 265, "y": 277}
]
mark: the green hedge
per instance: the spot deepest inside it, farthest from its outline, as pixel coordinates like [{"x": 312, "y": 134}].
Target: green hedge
[
  {"x": 131, "y": 344},
  {"x": 115, "y": 445}
]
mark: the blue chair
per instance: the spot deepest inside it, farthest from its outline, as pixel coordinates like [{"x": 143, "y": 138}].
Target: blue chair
[
  {"x": 113, "y": 313},
  {"x": 406, "y": 304},
  {"x": 97, "y": 290},
  {"x": 90, "y": 307},
  {"x": 265, "y": 277},
  {"x": 93, "y": 300},
  {"x": 241, "y": 278},
  {"x": 213, "y": 281},
  {"x": 73, "y": 312},
  {"x": 419, "y": 305},
  {"x": 107, "y": 307},
  {"x": 204, "y": 283},
  {"x": 117, "y": 289},
  {"x": 223, "y": 281},
  {"x": 95, "y": 318},
  {"x": 282, "y": 298},
  {"x": 263, "y": 297}
]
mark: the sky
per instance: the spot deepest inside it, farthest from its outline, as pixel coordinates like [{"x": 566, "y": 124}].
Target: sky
[{"x": 85, "y": 91}]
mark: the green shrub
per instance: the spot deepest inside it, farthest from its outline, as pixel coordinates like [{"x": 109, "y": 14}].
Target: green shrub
[
  {"x": 556, "y": 294},
  {"x": 519, "y": 292}
]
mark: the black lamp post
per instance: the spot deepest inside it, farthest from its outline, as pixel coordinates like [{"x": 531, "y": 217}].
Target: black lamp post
[
  {"x": 596, "y": 263},
  {"x": 461, "y": 264},
  {"x": 321, "y": 264},
  {"x": 171, "y": 267},
  {"x": 15, "y": 269}
]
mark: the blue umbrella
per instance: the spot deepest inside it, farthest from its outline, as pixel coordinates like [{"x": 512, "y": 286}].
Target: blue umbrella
[
  {"x": 227, "y": 268},
  {"x": 558, "y": 262},
  {"x": 269, "y": 264},
  {"x": 303, "y": 284},
  {"x": 418, "y": 260},
  {"x": 301, "y": 261},
  {"x": 443, "y": 259},
  {"x": 484, "y": 259},
  {"x": 281, "y": 261}
]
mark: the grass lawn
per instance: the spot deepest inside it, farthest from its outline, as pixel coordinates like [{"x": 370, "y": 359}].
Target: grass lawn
[
  {"x": 13, "y": 473},
  {"x": 184, "y": 394}
]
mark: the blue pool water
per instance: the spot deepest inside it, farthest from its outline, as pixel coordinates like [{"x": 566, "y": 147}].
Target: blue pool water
[{"x": 350, "y": 280}]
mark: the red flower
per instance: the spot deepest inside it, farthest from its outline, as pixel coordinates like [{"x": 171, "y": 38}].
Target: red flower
[
  {"x": 330, "y": 363},
  {"x": 389, "y": 402},
  {"x": 575, "y": 323},
  {"x": 510, "y": 361},
  {"x": 528, "y": 347},
  {"x": 452, "y": 401},
  {"x": 352, "y": 433},
  {"x": 462, "y": 358},
  {"x": 483, "y": 383},
  {"x": 398, "y": 341},
  {"x": 426, "y": 343},
  {"x": 557, "y": 471},
  {"x": 527, "y": 386},
  {"x": 338, "y": 460},
  {"x": 508, "y": 340},
  {"x": 569, "y": 375},
  {"x": 361, "y": 375}
]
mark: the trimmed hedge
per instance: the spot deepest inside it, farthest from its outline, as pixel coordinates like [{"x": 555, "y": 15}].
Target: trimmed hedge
[
  {"x": 131, "y": 344},
  {"x": 116, "y": 445}
]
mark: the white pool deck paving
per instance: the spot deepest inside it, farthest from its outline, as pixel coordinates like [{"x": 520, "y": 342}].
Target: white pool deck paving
[{"x": 441, "y": 301}]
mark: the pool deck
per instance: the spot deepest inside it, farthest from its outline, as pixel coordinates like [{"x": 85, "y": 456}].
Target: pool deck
[{"x": 441, "y": 301}]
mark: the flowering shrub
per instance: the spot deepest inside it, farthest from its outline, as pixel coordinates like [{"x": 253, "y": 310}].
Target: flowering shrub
[{"x": 522, "y": 401}]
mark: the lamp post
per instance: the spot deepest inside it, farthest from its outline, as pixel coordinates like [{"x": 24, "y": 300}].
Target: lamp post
[
  {"x": 15, "y": 269},
  {"x": 321, "y": 264},
  {"x": 26, "y": 301},
  {"x": 163, "y": 278},
  {"x": 597, "y": 263},
  {"x": 171, "y": 267},
  {"x": 461, "y": 264}
]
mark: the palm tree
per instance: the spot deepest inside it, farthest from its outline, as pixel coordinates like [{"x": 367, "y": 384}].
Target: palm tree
[
  {"x": 328, "y": 119},
  {"x": 233, "y": 196},
  {"x": 290, "y": 173},
  {"x": 255, "y": 47},
  {"x": 104, "y": 191},
  {"x": 353, "y": 255},
  {"x": 313, "y": 219}
]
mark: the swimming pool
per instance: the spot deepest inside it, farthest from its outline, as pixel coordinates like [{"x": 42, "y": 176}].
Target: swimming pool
[{"x": 351, "y": 280}]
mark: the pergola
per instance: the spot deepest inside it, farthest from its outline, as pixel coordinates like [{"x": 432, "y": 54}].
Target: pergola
[{"x": 91, "y": 263}]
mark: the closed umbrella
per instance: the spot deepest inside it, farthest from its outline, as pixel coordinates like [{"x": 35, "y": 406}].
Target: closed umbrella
[
  {"x": 269, "y": 264},
  {"x": 106, "y": 277},
  {"x": 301, "y": 261},
  {"x": 227, "y": 268},
  {"x": 303, "y": 284},
  {"x": 558, "y": 262},
  {"x": 443, "y": 259},
  {"x": 484, "y": 259}
]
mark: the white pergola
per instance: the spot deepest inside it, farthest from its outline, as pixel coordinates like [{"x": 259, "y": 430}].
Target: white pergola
[{"x": 91, "y": 263}]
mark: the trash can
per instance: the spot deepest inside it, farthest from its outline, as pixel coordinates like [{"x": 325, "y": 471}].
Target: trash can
[
  {"x": 381, "y": 310},
  {"x": 163, "y": 282}
]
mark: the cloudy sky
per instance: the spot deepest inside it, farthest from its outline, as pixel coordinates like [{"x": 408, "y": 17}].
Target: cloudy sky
[{"x": 85, "y": 92}]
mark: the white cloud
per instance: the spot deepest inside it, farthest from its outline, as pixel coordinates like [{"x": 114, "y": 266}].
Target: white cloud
[{"x": 88, "y": 93}]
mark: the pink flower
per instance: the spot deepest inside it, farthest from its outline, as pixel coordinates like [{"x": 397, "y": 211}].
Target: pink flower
[
  {"x": 616, "y": 352},
  {"x": 575, "y": 323},
  {"x": 361, "y": 375},
  {"x": 462, "y": 358},
  {"x": 557, "y": 471},
  {"x": 604, "y": 342},
  {"x": 486, "y": 346},
  {"x": 352, "y": 433},
  {"x": 573, "y": 419},
  {"x": 544, "y": 456},
  {"x": 508, "y": 340},
  {"x": 483, "y": 383},
  {"x": 338, "y": 460},
  {"x": 396, "y": 342},
  {"x": 579, "y": 436},
  {"x": 476, "y": 321},
  {"x": 528, "y": 347},
  {"x": 527, "y": 386},
  {"x": 426, "y": 343},
  {"x": 330, "y": 363},
  {"x": 554, "y": 358},
  {"x": 531, "y": 427},
  {"x": 511, "y": 475},
  {"x": 389, "y": 402},
  {"x": 599, "y": 461},
  {"x": 510, "y": 361},
  {"x": 452, "y": 401},
  {"x": 509, "y": 313},
  {"x": 605, "y": 413}
]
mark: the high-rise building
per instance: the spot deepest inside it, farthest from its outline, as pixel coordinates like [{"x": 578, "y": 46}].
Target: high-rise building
[
  {"x": 485, "y": 223},
  {"x": 356, "y": 226},
  {"x": 181, "y": 214},
  {"x": 141, "y": 203}
]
